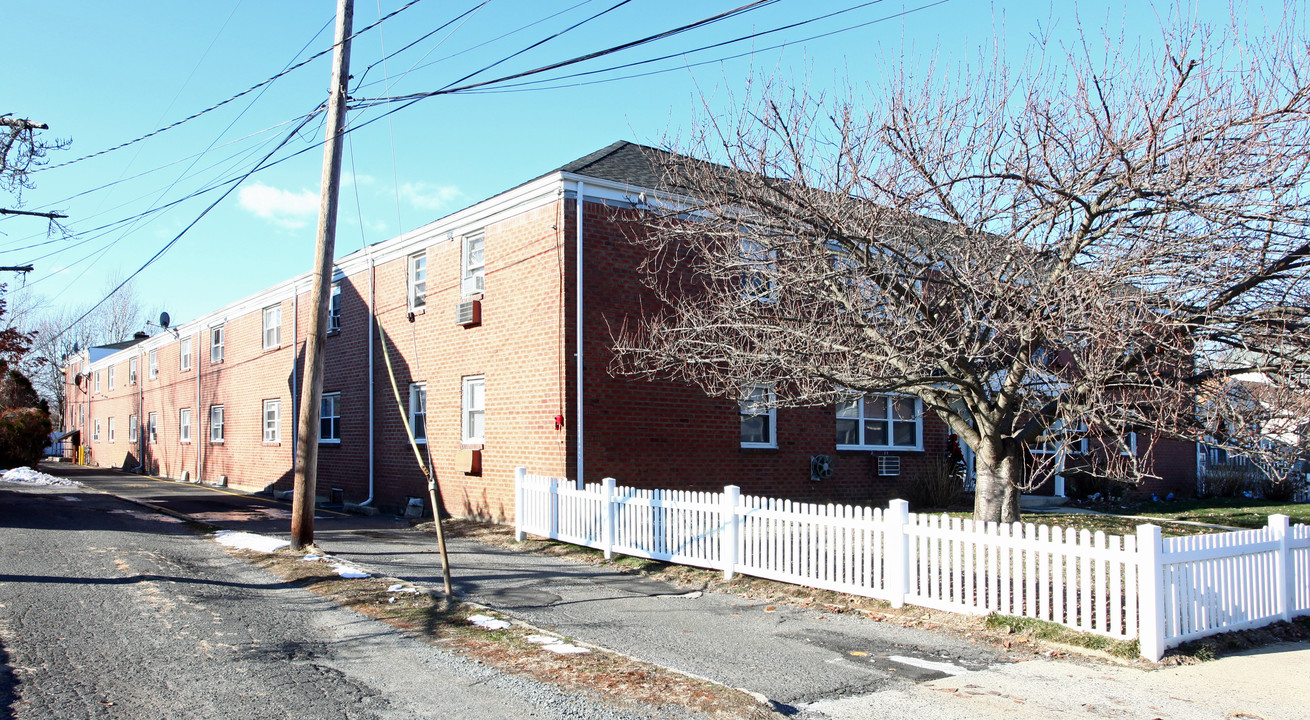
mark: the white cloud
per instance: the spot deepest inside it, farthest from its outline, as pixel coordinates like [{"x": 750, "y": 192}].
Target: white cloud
[
  {"x": 426, "y": 196},
  {"x": 289, "y": 209},
  {"x": 348, "y": 179}
]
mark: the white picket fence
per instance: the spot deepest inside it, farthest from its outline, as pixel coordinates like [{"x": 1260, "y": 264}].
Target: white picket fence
[{"x": 1161, "y": 591}]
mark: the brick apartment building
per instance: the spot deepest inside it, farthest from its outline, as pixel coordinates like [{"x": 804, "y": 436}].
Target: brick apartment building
[{"x": 478, "y": 314}]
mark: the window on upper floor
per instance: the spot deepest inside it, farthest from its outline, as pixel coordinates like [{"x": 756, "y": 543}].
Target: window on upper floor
[
  {"x": 473, "y": 268},
  {"x": 153, "y": 362},
  {"x": 216, "y": 343},
  {"x": 184, "y": 354},
  {"x": 272, "y": 327},
  {"x": 759, "y": 417},
  {"x": 329, "y": 421},
  {"x": 880, "y": 422},
  {"x": 418, "y": 411},
  {"x": 416, "y": 281},
  {"x": 334, "y": 309},
  {"x": 759, "y": 271},
  {"x": 131, "y": 371},
  {"x": 111, "y": 377},
  {"x": 474, "y": 409},
  {"x": 97, "y": 381}
]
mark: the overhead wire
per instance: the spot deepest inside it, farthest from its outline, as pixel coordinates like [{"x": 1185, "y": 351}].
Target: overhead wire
[{"x": 237, "y": 96}]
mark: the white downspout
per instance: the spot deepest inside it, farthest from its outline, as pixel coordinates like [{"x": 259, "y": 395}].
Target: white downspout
[
  {"x": 372, "y": 320},
  {"x": 581, "y": 481}
]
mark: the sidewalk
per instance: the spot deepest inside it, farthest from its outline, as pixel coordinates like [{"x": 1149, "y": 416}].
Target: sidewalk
[{"x": 823, "y": 664}]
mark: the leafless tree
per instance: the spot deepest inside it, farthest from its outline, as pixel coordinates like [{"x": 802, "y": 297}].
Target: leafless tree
[{"x": 1078, "y": 246}]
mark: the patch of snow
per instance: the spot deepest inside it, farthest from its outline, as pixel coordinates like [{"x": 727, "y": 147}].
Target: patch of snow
[
  {"x": 348, "y": 572},
  {"x": 28, "y": 476},
  {"x": 488, "y": 622},
  {"x": 941, "y": 667},
  {"x": 311, "y": 558},
  {"x": 249, "y": 541},
  {"x": 400, "y": 588},
  {"x": 542, "y": 639},
  {"x": 565, "y": 649}
]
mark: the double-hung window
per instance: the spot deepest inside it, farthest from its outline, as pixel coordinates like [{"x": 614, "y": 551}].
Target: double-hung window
[
  {"x": 474, "y": 409},
  {"x": 216, "y": 344},
  {"x": 216, "y": 424},
  {"x": 152, "y": 427},
  {"x": 329, "y": 422},
  {"x": 759, "y": 272},
  {"x": 473, "y": 274},
  {"x": 95, "y": 434},
  {"x": 111, "y": 429},
  {"x": 184, "y": 354},
  {"x": 153, "y": 361},
  {"x": 184, "y": 425},
  {"x": 272, "y": 327},
  {"x": 111, "y": 377},
  {"x": 97, "y": 381},
  {"x": 131, "y": 428},
  {"x": 1073, "y": 442},
  {"x": 334, "y": 309},
  {"x": 418, "y": 411},
  {"x": 759, "y": 417},
  {"x": 416, "y": 281},
  {"x": 880, "y": 422},
  {"x": 273, "y": 421},
  {"x": 131, "y": 371}
]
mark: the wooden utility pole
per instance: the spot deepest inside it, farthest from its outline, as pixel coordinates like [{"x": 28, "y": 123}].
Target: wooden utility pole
[{"x": 311, "y": 391}]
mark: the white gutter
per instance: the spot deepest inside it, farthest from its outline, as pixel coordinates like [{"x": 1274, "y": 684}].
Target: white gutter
[{"x": 581, "y": 481}]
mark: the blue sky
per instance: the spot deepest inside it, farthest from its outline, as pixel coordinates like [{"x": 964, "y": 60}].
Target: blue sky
[{"x": 102, "y": 74}]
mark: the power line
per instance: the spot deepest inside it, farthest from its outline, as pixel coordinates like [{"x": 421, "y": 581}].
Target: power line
[
  {"x": 542, "y": 83},
  {"x": 239, "y": 95}
]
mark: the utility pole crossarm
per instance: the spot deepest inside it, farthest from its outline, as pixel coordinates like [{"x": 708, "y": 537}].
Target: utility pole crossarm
[
  {"x": 47, "y": 215},
  {"x": 19, "y": 268}
]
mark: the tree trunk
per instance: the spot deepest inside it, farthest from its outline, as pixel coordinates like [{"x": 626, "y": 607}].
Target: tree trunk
[{"x": 996, "y": 493}]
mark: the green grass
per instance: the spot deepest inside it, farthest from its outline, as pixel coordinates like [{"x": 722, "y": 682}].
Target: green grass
[
  {"x": 1234, "y": 512},
  {"x": 1041, "y": 630},
  {"x": 1109, "y": 524}
]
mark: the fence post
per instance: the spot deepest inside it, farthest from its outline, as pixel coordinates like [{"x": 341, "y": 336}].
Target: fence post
[
  {"x": 1150, "y": 593},
  {"x": 1279, "y": 527},
  {"x": 607, "y": 517},
  {"x": 897, "y": 564},
  {"x": 552, "y": 509},
  {"x": 729, "y": 538},
  {"x": 520, "y": 506}
]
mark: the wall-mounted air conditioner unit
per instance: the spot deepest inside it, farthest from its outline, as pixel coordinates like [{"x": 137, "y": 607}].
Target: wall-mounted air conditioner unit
[
  {"x": 468, "y": 313},
  {"x": 889, "y": 465}
]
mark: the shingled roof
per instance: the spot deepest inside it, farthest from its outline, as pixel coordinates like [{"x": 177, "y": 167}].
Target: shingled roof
[{"x": 622, "y": 161}]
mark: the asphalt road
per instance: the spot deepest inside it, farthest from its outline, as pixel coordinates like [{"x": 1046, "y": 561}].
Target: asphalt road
[{"x": 109, "y": 610}]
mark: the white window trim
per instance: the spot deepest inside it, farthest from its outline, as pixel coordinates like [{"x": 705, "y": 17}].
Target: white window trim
[
  {"x": 271, "y": 434},
  {"x": 152, "y": 427},
  {"x": 334, "y": 308},
  {"x": 216, "y": 348},
  {"x": 473, "y": 279},
  {"x": 1050, "y": 447},
  {"x": 413, "y": 300},
  {"x": 153, "y": 361},
  {"x": 466, "y": 410},
  {"x": 184, "y": 426},
  {"x": 771, "y": 411},
  {"x": 184, "y": 354},
  {"x": 336, "y": 406},
  {"x": 414, "y": 425},
  {"x": 275, "y": 328},
  {"x": 97, "y": 381},
  {"x": 219, "y": 425},
  {"x": 95, "y": 433},
  {"x": 111, "y": 377},
  {"x": 891, "y": 431},
  {"x": 111, "y": 430},
  {"x": 131, "y": 371},
  {"x": 131, "y": 428}
]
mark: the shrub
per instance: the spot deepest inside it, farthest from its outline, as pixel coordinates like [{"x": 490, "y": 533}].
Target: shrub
[
  {"x": 1230, "y": 480},
  {"x": 941, "y": 486},
  {"x": 23, "y": 435}
]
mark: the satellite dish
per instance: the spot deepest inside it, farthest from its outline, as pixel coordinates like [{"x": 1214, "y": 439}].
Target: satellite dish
[
  {"x": 75, "y": 347},
  {"x": 163, "y": 320}
]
